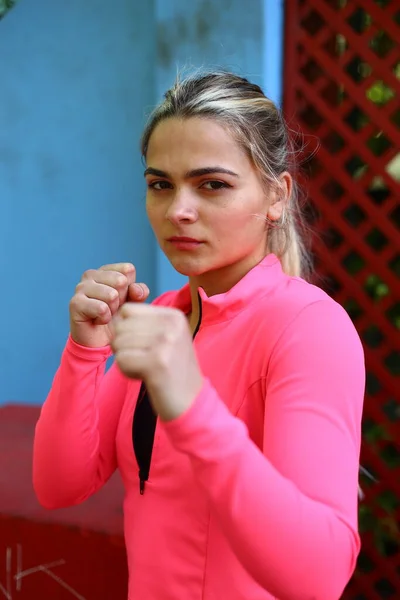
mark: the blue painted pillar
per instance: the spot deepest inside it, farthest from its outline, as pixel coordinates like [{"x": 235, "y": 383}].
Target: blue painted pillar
[
  {"x": 273, "y": 46},
  {"x": 75, "y": 80},
  {"x": 244, "y": 37}
]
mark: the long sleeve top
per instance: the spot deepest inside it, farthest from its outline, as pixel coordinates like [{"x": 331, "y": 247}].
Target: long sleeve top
[{"x": 252, "y": 492}]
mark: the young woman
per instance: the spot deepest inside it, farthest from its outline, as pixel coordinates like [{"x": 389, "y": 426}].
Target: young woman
[{"x": 233, "y": 407}]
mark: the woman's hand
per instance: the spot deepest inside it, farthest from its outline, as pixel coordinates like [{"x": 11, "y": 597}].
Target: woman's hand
[
  {"x": 154, "y": 344},
  {"x": 98, "y": 296}
]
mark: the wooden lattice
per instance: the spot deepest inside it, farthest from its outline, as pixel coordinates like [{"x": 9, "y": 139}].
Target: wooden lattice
[{"x": 342, "y": 84}]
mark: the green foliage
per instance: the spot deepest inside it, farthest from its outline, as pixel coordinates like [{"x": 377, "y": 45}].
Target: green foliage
[
  {"x": 5, "y": 6},
  {"x": 379, "y": 93}
]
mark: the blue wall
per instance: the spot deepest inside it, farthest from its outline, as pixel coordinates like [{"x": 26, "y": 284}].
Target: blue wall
[
  {"x": 75, "y": 78},
  {"x": 77, "y": 81}
]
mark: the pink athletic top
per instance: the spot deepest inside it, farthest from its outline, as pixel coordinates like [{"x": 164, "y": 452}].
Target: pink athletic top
[{"x": 252, "y": 493}]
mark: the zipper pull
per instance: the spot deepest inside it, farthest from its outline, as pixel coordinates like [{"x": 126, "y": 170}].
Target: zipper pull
[{"x": 141, "y": 486}]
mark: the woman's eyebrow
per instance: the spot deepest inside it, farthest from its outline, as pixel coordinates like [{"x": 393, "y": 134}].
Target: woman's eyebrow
[{"x": 191, "y": 174}]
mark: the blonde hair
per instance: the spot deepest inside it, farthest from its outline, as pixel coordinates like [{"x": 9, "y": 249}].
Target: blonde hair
[{"x": 259, "y": 128}]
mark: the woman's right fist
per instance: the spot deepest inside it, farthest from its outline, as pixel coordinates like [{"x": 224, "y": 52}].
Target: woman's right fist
[{"x": 98, "y": 297}]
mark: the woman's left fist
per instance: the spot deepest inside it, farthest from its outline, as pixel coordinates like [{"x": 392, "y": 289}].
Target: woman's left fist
[{"x": 154, "y": 344}]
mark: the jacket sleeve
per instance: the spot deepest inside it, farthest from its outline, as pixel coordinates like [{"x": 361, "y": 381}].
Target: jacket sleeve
[
  {"x": 290, "y": 510},
  {"x": 74, "y": 446}
]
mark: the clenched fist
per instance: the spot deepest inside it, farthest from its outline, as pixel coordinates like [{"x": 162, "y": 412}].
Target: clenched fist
[
  {"x": 154, "y": 344},
  {"x": 98, "y": 297}
]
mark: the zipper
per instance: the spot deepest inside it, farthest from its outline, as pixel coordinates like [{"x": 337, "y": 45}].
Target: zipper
[
  {"x": 144, "y": 425},
  {"x": 143, "y": 431},
  {"x": 200, "y": 317}
]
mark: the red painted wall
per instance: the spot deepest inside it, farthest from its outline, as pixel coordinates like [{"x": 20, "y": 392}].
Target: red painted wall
[{"x": 54, "y": 555}]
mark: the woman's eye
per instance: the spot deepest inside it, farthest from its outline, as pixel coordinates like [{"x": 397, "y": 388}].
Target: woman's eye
[
  {"x": 159, "y": 185},
  {"x": 214, "y": 185},
  {"x": 207, "y": 185}
]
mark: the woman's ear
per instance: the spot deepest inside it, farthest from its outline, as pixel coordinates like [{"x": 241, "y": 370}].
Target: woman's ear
[{"x": 279, "y": 198}]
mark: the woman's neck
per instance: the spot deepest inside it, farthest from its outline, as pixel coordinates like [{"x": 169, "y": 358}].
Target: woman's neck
[{"x": 216, "y": 282}]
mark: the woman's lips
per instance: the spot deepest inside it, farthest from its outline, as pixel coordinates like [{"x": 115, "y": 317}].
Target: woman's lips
[{"x": 184, "y": 243}]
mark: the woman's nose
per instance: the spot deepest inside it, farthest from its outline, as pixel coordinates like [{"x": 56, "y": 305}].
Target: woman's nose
[{"x": 182, "y": 208}]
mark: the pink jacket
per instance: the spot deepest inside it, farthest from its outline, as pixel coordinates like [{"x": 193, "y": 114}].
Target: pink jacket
[{"x": 252, "y": 493}]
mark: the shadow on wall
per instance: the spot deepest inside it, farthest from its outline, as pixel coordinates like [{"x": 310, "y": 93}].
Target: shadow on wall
[{"x": 5, "y": 6}]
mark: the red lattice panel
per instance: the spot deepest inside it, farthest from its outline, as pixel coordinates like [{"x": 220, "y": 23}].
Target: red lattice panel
[{"x": 342, "y": 84}]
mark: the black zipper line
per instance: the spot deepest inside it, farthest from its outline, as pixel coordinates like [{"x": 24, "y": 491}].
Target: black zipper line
[{"x": 144, "y": 425}]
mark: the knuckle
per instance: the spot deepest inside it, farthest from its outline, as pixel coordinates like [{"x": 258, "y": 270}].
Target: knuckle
[
  {"x": 123, "y": 312},
  {"x": 121, "y": 281},
  {"x": 102, "y": 308},
  {"x": 125, "y": 362},
  {"x": 112, "y": 294},
  {"x": 164, "y": 337},
  {"x": 88, "y": 274},
  {"x": 118, "y": 328},
  {"x": 75, "y": 304},
  {"x": 127, "y": 267},
  {"x": 79, "y": 288},
  {"x": 127, "y": 310}
]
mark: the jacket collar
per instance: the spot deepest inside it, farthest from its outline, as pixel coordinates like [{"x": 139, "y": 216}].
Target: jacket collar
[{"x": 258, "y": 282}]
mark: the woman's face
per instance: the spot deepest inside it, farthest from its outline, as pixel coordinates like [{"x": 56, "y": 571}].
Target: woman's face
[{"x": 202, "y": 197}]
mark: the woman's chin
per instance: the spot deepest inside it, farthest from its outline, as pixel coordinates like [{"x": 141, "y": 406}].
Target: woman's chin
[{"x": 187, "y": 267}]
